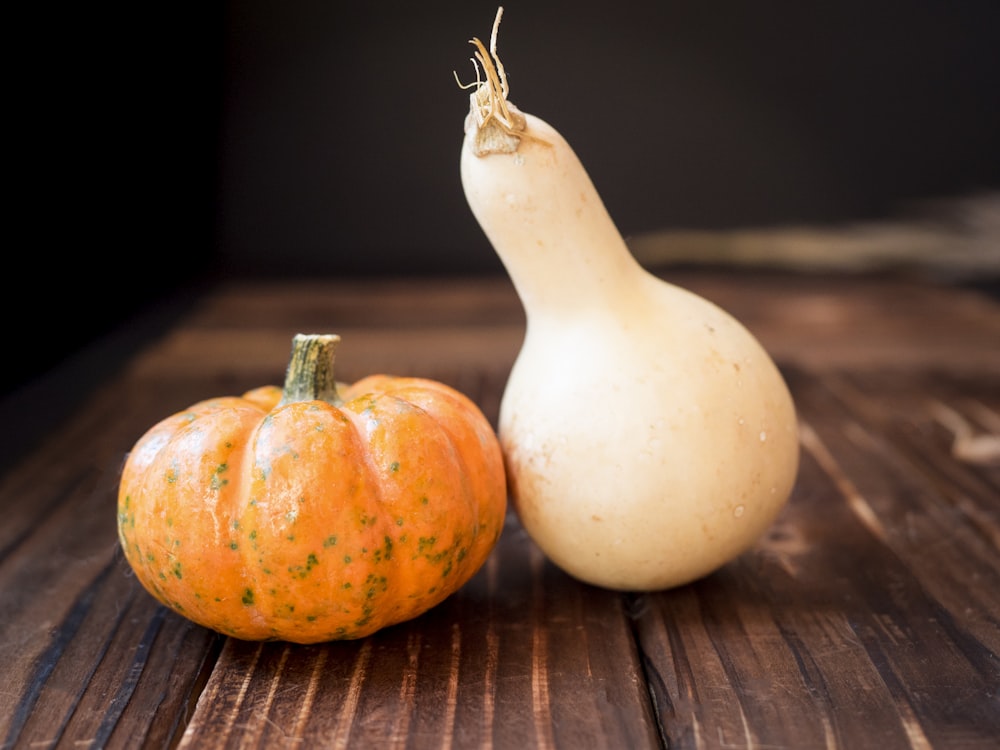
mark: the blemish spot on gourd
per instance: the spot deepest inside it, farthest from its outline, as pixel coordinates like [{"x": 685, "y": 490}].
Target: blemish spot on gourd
[
  {"x": 171, "y": 476},
  {"x": 247, "y": 598},
  {"x": 217, "y": 482},
  {"x": 301, "y": 571},
  {"x": 176, "y": 570},
  {"x": 394, "y": 467},
  {"x": 425, "y": 543},
  {"x": 330, "y": 541}
]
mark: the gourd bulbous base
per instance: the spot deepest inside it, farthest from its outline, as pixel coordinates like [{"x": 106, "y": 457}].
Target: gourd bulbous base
[{"x": 646, "y": 452}]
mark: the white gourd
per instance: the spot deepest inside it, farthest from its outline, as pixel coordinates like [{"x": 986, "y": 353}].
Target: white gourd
[{"x": 648, "y": 437}]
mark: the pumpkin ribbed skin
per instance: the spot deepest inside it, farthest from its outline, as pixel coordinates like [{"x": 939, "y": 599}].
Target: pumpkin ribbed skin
[{"x": 308, "y": 521}]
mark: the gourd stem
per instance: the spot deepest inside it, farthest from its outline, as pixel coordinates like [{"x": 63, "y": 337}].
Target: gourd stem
[{"x": 310, "y": 374}]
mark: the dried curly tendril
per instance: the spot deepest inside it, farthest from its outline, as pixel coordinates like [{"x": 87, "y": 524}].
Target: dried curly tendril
[{"x": 496, "y": 125}]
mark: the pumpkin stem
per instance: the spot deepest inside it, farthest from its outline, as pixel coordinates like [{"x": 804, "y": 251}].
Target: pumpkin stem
[{"x": 310, "y": 369}]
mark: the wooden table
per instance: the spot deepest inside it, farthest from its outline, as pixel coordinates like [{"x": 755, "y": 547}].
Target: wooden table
[{"x": 868, "y": 616}]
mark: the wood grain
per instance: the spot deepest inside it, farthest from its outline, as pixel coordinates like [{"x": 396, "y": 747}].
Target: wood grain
[{"x": 867, "y": 617}]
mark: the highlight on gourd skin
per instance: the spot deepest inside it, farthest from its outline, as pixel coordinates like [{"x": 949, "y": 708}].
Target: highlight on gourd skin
[{"x": 670, "y": 484}]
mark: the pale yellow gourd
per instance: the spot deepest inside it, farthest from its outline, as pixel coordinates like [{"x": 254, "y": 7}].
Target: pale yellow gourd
[{"x": 648, "y": 437}]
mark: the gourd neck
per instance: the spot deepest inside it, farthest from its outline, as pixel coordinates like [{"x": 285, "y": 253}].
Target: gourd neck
[
  {"x": 537, "y": 205},
  {"x": 572, "y": 277}
]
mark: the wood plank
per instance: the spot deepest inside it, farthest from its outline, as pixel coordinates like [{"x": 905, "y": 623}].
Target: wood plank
[
  {"x": 75, "y": 628},
  {"x": 869, "y": 615},
  {"x": 522, "y": 656}
]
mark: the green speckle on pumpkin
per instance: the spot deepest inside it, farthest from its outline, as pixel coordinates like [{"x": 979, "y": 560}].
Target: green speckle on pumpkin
[
  {"x": 394, "y": 467},
  {"x": 330, "y": 541},
  {"x": 217, "y": 483},
  {"x": 399, "y": 521},
  {"x": 303, "y": 570},
  {"x": 176, "y": 570},
  {"x": 234, "y": 545},
  {"x": 424, "y": 500},
  {"x": 171, "y": 476},
  {"x": 347, "y": 558},
  {"x": 425, "y": 543},
  {"x": 247, "y": 598}
]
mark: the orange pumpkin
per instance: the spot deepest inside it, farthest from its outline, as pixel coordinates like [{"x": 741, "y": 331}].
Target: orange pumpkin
[{"x": 315, "y": 512}]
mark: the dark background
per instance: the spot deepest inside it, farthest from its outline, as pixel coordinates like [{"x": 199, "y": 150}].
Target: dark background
[{"x": 160, "y": 147}]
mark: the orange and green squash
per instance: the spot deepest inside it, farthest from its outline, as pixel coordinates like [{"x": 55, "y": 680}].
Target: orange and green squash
[{"x": 314, "y": 512}]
